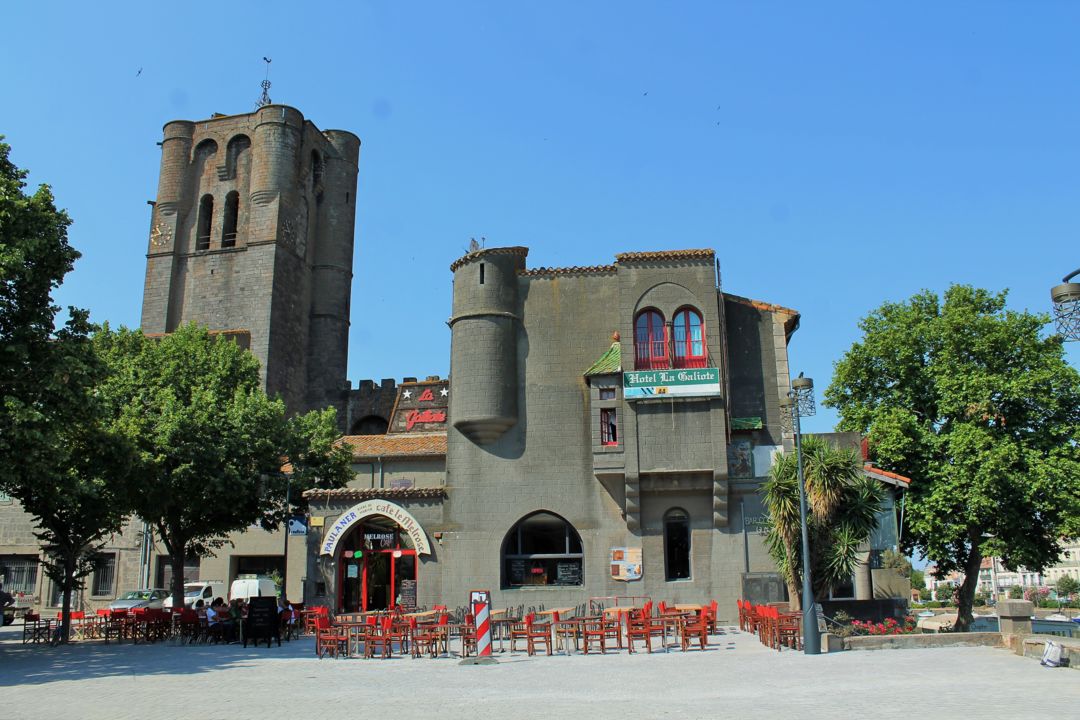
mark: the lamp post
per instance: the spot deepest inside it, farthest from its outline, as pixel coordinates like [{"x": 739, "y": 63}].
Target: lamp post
[
  {"x": 285, "y": 551},
  {"x": 800, "y": 403},
  {"x": 1066, "y": 299}
]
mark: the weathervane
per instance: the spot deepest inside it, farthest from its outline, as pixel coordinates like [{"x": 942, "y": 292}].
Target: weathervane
[{"x": 265, "y": 99}]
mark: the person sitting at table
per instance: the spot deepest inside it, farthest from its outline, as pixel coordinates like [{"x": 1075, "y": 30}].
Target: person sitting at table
[
  {"x": 219, "y": 622},
  {"x": 285, "y": 614}
]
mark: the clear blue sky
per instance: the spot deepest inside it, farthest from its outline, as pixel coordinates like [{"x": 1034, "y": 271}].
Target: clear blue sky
[{"x": 836, "y": 155}]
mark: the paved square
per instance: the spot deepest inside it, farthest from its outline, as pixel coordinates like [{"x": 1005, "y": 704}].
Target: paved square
[{"x": 736, "y": 678}]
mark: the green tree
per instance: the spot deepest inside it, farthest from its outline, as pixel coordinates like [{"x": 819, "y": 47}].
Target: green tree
[
  {"x": 918, "y": 581},
  {"x": 983, "y": 413},
  {"x": 1016, "y": 593},
  {"x": 211, "y": 444},
  {"x": 60, "y": 460},
  {"x": 1067, "y": 586},
  {"x": 842, "y": 507}
]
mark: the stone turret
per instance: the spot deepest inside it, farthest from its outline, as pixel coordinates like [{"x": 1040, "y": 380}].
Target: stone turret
[{"x": 483, "y": 345}]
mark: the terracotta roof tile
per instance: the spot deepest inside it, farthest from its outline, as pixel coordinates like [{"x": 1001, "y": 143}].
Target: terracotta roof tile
[
  {"x": 352, "y": 494},
  {"x": 880, "y": 474},
  {"x": 396, "y": 445},
  {"x": 663, "y": 255},
  {"x": 760, "y": 305},
  {"x": 515, "y": 250}
]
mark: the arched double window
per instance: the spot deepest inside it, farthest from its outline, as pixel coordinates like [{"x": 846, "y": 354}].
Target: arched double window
[
  {"x": 650, "y": 341},
  {"x": 542, "y": 549},
  {"x": 688, "y": 339},
  {"x": 676, "y": 544}
]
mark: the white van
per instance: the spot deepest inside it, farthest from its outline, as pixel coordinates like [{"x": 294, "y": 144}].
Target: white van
[
  {"x": 249, "y": 586},
  {"x": 205, "y": 590}
]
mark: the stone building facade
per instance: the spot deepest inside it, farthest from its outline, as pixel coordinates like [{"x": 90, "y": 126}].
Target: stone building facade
[{"x": 607, "y": 430}]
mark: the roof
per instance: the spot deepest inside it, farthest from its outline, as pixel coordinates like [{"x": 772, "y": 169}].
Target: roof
[
  {"x": 575, "y": 270},
  {"x": 477, "y": 254},
  {"x": 396, "y": 445},
  {"x": 664, "y": 255},
  {"x": 885, "y": 476},
  {"x": 356, "y": 494},
  {"x": 760, "y": 304},
  {"x": 610, "y": 362}
]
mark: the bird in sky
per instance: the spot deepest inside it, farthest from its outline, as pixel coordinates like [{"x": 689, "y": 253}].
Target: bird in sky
[
  {"x": 644, "y": 93},
  {"x": 138, "y": 73}
]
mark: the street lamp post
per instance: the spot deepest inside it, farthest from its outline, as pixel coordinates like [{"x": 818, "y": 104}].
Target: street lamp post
[
  {"x": 1066, "y": 299},
  {"x": 800, "y": 403},
  {"x": 285, "y": 550}
]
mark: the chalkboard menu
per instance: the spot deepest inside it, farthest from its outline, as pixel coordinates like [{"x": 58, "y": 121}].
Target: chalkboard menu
[
  {"x": 568, "y": 573},
  {"x": 262, "y": 621},
  {"x": 407, "y": 595},
  {"x": 517, "y": 572}
]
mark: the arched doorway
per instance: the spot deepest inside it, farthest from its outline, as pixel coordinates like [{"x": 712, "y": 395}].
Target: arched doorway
[{"x": 377, "y": 566}]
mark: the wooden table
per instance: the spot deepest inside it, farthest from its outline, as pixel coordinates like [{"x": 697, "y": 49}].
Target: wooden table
[
  {"x": 688, "y": 607},
  {"x": 561, "y": 611},
  {"x": 621, "y": 609},
  {"x": 420, "y": 614}
]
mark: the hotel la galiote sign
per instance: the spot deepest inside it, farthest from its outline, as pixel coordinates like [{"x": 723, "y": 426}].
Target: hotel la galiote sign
[{"x": 688, "y": 382}]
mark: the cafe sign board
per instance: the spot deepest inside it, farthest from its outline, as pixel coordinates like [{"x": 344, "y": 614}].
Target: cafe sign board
[
  {"x": 688, "y": 382},
  {"x": 356, "y": 513}
]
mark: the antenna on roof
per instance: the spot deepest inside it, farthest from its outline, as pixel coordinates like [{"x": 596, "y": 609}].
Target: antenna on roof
[
  {"x": 264, "y": 100},
  {"x": 473, "y": 245}
]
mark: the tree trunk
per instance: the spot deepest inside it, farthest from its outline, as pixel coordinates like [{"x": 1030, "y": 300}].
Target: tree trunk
[
  {"x": 966, "y": 596},
  {"x": 64, "y": 631},
  {"x": 794, "y": 597},
  {"x": 176, "y": 560}
]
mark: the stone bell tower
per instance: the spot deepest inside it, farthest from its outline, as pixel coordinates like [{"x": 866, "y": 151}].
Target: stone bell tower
[{"x": 252, "y": 236}]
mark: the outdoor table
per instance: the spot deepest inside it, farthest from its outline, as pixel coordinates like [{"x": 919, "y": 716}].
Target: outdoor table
[
  {"x": 688, "y": 607},
  {"x": 356, "y": 632},
  {"x": 562, "y": 611},
  {"x": 564, "y": 630},
  {"x": 621, "y": 609},
  {"x": 500, "y": 627},
  {"x": 420, "y": 614}
]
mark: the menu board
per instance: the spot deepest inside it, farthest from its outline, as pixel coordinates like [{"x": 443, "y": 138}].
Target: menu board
[
  {"x": 262, "y": 621},
  {"x": 407, "y": 595},
  {"x": 568, "y": 573},
  {"x": 517, "y": 572}
]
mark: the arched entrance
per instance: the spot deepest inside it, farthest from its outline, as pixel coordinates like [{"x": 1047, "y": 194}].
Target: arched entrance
[
  {"x": 376, "y": 567},
  {"x": 375, "y": 544}
]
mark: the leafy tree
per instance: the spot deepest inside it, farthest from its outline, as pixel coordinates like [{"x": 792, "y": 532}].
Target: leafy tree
[
  {"x": 1016, "y": 593},
  {"x": 1067, "y": 586},
  {"x": 918, "y": 581},
  {"x": 61, "y": 461},
  {"x": 211, "y": 443},
  {"x": 842, "y": 507},
  {"x": 983, "y": 413}
]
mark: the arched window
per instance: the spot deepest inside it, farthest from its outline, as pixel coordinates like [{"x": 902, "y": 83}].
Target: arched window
[
  {"x": 232, "y": 210},
  {"x": 233, "y": 151},
  {"x": 650, "y": 341},
  {"x": 676, "y": 545},
  {"x": 688, "y": 343},
  {"x": 542, "y": 549},
  {"x": 206, "y": 218},
  {"x": 316, "y": 175},
  {"x": 370, "y": 425}
]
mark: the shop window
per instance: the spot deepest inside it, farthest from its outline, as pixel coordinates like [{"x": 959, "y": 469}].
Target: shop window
[
  {"x": 206, "y": 216},
  {"x": 650, "y": 341},
  {"x": 609, "y": 427},
  {"x": 232, "y": 211},
  {"x": 19, "y": 573},
  {"x": 676, "y": 545},
  {"x": 104, "y": 580},
  {"x": 688, "y": 342},
  {"x": 542, "y": 549}
]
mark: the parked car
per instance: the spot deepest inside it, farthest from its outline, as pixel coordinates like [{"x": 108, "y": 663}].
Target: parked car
[
  {"x": 205, "y": 590},
  {"x": 249, "y": 587},
  {"x": 150, "y": 598}
]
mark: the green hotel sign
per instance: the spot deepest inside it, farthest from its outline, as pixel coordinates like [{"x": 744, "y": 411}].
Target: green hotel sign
[{"x": 690, "y": 382}]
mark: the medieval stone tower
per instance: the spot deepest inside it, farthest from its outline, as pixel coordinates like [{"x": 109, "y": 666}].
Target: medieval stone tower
[{"x": 252, "y": 235}]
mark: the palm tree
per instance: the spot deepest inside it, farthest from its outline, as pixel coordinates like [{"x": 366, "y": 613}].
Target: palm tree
[{"x": 842, "y": 507}]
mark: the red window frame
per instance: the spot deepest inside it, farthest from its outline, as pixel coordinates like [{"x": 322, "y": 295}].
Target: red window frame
[
  {"x": 609, "y": 426},
  {"x": 688, "y": 339},
  {"x": 650, "y": 341}
]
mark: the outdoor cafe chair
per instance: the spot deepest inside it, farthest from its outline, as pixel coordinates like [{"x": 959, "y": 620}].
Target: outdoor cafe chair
[
  {"x": 565, "y": 631},
  {"x": 695, "y": 628},
  {"x": 641, "y": 626},
  {"x": 381, "y": 638},
  {"x": 424, "y": 639},
  {"x": 593, "y": 631},
  {"x": 468, "y": 636},
  {"x": 789, "y": 630},
  {"x": 329, "y": 638}
]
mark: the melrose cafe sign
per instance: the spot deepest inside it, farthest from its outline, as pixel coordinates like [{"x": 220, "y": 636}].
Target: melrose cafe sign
[
  {"x": 356, "y": 513},
  {"x": 691, "y": 382}
]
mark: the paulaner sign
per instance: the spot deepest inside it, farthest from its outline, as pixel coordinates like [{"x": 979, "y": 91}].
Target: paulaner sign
[
  {"x": 356, "y": 513},
  {"x": 690, "y": 382}
]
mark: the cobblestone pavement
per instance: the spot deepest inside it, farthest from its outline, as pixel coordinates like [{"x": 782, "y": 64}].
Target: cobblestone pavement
[{"x": 735, "y": 678}]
